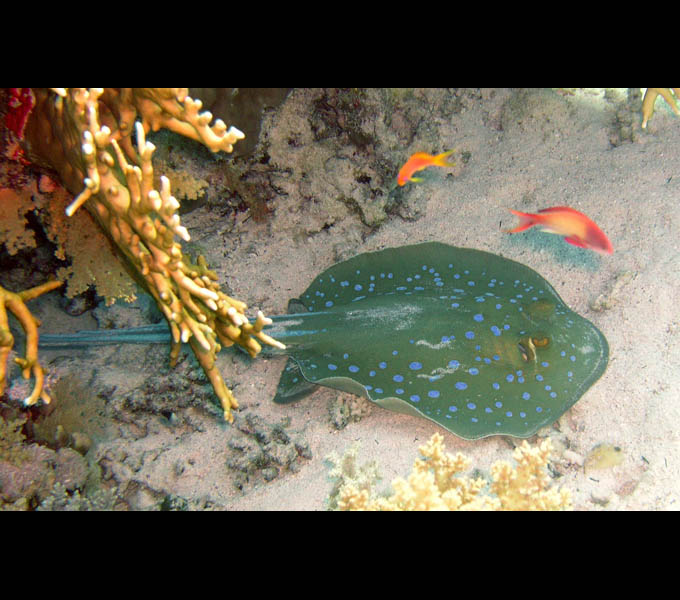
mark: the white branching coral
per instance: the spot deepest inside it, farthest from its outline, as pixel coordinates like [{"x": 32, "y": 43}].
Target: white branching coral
[{"x": 436, "y": 483}]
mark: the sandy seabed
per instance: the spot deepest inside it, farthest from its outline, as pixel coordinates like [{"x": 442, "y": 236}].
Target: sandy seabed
[{"x": 337, "y": 197}]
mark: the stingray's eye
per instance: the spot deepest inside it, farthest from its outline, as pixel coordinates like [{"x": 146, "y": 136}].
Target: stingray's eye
[{"x": 541, "y": 341}]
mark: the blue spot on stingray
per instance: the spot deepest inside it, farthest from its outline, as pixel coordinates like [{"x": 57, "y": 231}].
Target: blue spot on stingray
[
  {"x": 526, "y": 395},
  {"x": 453, "y": 408},
  {"x": 378, "y": 390},
  {"x": 395, "y": 352},
  {"x": 344, "y": 283},
  {"x": 539, "y": 409},
  {"x": 545, "y": 363},
  {"x": 455, "y": 305},
  {"x": 453, "y": 364},
  {"x": 461, "y": 385},
  {"x": 470, "y": 335},
  {"x": 471, "y": 405},
  {"x": 473, "y": 371},
  {"x": 399, "y": 391},
  {"x": 371, "y": 373},
  {"x": 329, "y": 303},
  {"x": 509, "y": 378},
  {"x": 433, "y": 394},
  {"x": 358, "y": 287},
  {"x": 415, "y": 365},
  {"x": 495, "y": 330},
  {"x": 496, "y": 386},
  {"x": 539, "y": 377},
  {"x": 522, "y": 414},
  {"x": 479, "y": 318},
  {"x": 382, "y": 365},
  {"x": 499, "y": 404},
  {"x": 508, "y": 414},
  {"x": 398, "y": 378},
  {"x": 353, "y": 368},
  {"x": 488, "y": 410},
  {"x": 332, "y": 367},
  {"x": 415, "y": 398}
]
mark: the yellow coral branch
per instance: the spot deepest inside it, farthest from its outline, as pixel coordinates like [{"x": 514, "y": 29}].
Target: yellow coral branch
[
  {"x": 670, "y": 95},
  {"x": 29, "y": 364}
]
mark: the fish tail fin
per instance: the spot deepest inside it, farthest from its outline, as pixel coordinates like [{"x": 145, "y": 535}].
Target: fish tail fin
[
  {"x": 440, "y": 159},
  {"x": 526, "y": 220}
]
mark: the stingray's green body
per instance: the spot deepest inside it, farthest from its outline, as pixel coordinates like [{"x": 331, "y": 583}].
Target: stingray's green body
[
  {"x": 475, "y": 342},
  {"x": 478, "y": 343}
]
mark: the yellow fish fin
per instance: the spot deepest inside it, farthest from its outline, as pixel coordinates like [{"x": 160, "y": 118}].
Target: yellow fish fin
[{"x": 440, "y": 159}]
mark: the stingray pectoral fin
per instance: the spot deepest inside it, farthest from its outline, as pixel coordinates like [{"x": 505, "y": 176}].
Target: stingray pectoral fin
[
  {"x": 400, "y": 406},
  {"x": 292, "y": 386},
  {"x": 296, "y": 306}
]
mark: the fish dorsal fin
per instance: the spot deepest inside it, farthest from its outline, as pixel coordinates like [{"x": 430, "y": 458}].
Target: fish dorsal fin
[{"x": 553, "y": 209}]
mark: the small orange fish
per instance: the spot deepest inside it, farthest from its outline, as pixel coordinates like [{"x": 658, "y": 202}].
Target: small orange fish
[
  {"x": 577, "y": 228},
  {"x": 420, "y": 161}
]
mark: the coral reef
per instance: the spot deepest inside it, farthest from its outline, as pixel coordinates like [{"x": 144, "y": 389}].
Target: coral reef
[
  {"x": 348, "y": 408},
  {"x": 93, "y": 140},
  {"x": 436, "y": 483},
  {"x": 265, "y": 449},
  {"x": 29, "y": 472}
]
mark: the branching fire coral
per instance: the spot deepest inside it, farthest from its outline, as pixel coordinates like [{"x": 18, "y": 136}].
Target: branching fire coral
[
  {"x": 670, "y": 95},
  {"x": 29, "y": 364},
  {"x": 96, "y": 141},
  {"x": 436, "y": 483}
]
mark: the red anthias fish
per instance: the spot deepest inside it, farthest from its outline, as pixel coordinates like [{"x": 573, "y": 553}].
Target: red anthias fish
[
  {"x": 577, "y": 228},
  {"x": 420, "y": 161}
]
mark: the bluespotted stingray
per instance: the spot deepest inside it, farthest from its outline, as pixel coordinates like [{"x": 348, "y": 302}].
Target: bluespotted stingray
[{"x": 478, "y": 343}]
